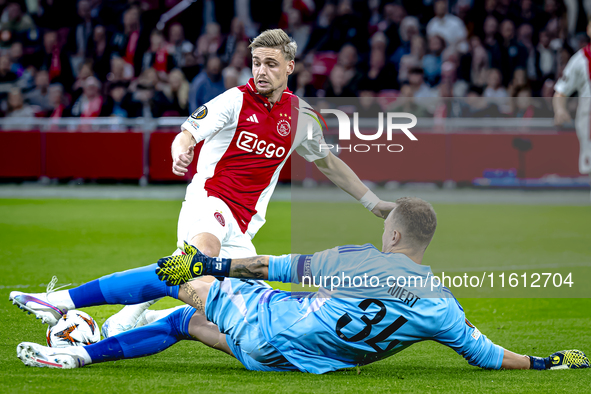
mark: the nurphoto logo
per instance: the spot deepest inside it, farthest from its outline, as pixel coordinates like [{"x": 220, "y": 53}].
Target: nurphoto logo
[{"x": 345, "y": 130}]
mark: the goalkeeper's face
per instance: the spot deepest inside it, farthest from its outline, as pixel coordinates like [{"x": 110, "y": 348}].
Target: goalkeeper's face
[{"x": 270, "y": 70}]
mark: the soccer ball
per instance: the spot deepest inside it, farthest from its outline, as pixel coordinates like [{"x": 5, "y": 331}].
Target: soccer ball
[{"x": 75, "y": 328}]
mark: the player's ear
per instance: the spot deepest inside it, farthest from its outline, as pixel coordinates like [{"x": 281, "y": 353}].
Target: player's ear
[
  {"x": 290, "y": 67},
  {"x": 396, "y": 237}
]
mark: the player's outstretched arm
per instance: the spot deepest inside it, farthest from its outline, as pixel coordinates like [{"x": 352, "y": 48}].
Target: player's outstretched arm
[
  {"x": 343, "y": 176},
  {"x": 179, "y": 269},
  {"x": 459, "y": 334},
  {"x": 515, "y": 361},
  {"x": 256, "y": 267},
  {"x": 564, "y": 359},
  {"x": 482, "y": 352}
]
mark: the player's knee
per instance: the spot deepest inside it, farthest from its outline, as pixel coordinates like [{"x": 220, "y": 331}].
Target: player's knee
[
  {"x": 211, "y": 251},
  {"x": 207, "y": 243}
]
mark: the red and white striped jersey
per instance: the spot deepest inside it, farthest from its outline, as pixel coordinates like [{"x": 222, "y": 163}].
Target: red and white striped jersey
[{"x": 246, "y": 143}]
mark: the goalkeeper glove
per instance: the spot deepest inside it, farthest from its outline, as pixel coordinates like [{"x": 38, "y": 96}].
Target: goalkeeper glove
[
  {"x": 563, "y": 359},
  {"x": 179, "y": 269}
]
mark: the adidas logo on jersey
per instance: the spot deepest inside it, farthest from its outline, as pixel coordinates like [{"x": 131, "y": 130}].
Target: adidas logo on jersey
[{"x": 253, "y": 118}]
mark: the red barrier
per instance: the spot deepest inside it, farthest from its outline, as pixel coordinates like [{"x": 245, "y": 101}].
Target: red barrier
[
  {"x": 301, "y": 169},
  {"x": 553, "y": 154},
  {"x": 471, "y": 154},
  {"x": 94, "y": 155},
  {"x": 458, "y": 157},
  {"x": 419, "y": 161},
  {"x": 433, "y": 158},
  {"x": 20, "y": 154},
  {"x": 285, "y": 174}
]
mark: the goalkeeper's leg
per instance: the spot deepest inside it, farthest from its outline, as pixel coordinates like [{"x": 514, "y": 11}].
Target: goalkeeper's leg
[
  {"x": 182, "y": 324},
  {"x": 127, "y": 287},
  {"x": 133, "y": 316}
]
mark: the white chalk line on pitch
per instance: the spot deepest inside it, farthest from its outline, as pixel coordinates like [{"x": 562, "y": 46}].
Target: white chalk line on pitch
[{"x": 19, "y": 286}]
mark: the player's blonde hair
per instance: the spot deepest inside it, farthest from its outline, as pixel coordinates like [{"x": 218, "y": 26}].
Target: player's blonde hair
[
  {"x": 417, "y": 220},
  {"x": 276, "y": 38}
]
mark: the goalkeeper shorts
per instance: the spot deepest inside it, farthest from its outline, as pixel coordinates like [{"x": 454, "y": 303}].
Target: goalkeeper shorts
[{"x": 232, "y": 306}]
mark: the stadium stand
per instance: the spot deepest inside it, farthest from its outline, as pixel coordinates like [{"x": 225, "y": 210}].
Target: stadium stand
[{"x": 91, "y": 58}]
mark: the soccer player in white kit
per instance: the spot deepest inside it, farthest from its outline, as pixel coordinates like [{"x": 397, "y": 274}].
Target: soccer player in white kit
[
  {"x": 576, "y": 77},
  {"x": 248, "y": 132},
  {"x": 248, "y": 138}
]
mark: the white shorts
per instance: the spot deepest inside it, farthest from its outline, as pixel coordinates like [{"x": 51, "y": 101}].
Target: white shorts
[{"x": 203, "y": 214}]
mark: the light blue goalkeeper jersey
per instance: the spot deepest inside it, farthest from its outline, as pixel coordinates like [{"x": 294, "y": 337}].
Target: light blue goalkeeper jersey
[{"x": 356, "y": 325}]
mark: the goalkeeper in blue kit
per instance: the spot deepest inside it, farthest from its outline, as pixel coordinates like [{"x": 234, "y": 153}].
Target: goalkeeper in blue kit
[{"x": 356, "y": 322}]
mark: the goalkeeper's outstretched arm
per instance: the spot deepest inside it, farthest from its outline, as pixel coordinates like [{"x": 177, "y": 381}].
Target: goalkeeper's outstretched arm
[
  {"x": 256, "y": 267},
  {"x": 459, "y": 334},
  {"x": 178, "y": 269},
  {"x": 564, "y": 359},
  {"x": 274, "y": 268},
  {"x": 515, "y": 361}
]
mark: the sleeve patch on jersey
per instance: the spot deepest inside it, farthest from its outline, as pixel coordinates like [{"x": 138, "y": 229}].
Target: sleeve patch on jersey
[
  {"x": 193, "y": 123},
  {"x": 476, "y": 333},
  {"x": 303, "y": 267},
  {"x": 200, "y": 113}
]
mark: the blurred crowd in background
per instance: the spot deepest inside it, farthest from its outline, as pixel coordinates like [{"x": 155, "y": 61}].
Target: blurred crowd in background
[{"x": 89, "y": 58}]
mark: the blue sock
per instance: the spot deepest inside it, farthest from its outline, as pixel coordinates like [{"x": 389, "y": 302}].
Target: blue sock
[
  {"x": 127, "y": 288},
  {"x": 146, "y": 340}
]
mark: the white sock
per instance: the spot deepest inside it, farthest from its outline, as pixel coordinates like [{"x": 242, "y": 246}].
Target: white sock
[
  {"x": 135, "y": 311},
  {"x": 81, "y": 352},
  {"x": 61, "y": 299}
]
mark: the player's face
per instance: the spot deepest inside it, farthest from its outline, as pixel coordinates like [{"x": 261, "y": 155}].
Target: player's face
[{"x": 270, "y": 70}]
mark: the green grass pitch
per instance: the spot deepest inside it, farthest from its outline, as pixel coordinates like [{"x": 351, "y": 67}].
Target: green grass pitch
[{"x": 80, "y": 240}]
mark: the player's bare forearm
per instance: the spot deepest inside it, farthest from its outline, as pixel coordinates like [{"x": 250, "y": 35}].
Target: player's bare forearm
[
  {"x": 182, "y": 151},
  {"x": 559, "y": 102},
  {"x": 341, "y": 175},
  {"x": 181, "y": 143},
  {"x": 561, "y": 114},
  {"x": 256, "y": 267},
  {"x": 515, "y": 361},
  {"x": 563, "y": 359}
]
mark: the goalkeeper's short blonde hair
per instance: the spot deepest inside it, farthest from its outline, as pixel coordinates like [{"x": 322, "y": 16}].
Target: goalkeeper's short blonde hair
[
  {"x": 276, "y": 38},
  {"x": 417, "y": 220}
]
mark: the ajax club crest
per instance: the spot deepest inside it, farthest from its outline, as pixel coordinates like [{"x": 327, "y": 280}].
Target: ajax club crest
[
  {"x": 283, "y": 126},
  {"x": 220, "y": 218}
]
